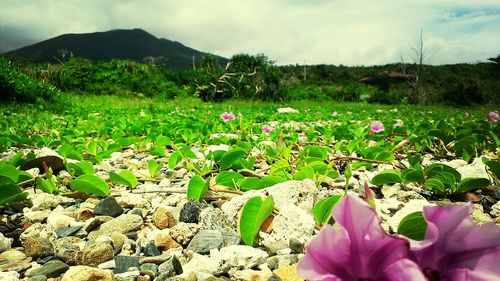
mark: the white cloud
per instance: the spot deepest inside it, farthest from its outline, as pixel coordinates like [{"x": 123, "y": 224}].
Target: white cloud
[{"x": 289, "y": 31}]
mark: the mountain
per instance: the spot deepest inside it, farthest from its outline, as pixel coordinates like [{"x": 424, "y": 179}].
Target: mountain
[{"x": 131, "y": 44}]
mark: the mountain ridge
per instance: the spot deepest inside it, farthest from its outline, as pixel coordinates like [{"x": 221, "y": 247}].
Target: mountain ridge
[{"x": 132, "y": 44}]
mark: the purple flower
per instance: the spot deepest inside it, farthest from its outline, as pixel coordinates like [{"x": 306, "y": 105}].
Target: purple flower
[
  {"x": 493, "y": 116},
  {"x": 266, "y": 129},
  {"x": 359, "y": 250},
  {"x": 376, "y": 127},
  {"x": 227, "y": 116},
  {"x": 455, "y": 247}
]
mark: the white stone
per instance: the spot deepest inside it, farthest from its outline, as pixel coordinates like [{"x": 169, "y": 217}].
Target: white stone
[
  {"x": 131, "y": 200},
  {"x": 291, "y": 222},
  {"x": 200, "y": 264},
  {"x": 44, "y": 201},
  {"x": 57, "y": 220},
  {"x": 231, "y": 207},
  {"x": 495, "y": 210},
  {"x": 300, "y": 193},
  {"x": 9, "y": 276},
  {"x": 411, "y": 206},
  {"x": 237, "y": 257},
  {"x": 476, "y": 169},
  {"x": 287, "y": 110},
  {"x": 111, "y": 264},
  {"x": 5, "y": 243},
  {"x": 456, "y": 163}
]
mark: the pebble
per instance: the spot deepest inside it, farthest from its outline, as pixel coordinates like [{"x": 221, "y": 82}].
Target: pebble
[
  {"x": 5, "y": 243},
  {"x": 93, "y": 255},
  {"x": 85, "y": 273},
  {"x": 184, "y": 232},
  {"x": 124, "y": 263},
  {"x": 51, "y": 269},
  {"x": 108, "y": 207},
  {"x": 206, "y": 240},
  {"x": 163, "y": 217},
  {"x": 123, "y": 224}
]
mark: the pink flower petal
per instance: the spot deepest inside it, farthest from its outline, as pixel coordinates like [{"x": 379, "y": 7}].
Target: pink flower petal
[
  {"x": 454, "y": 241},
  {"x": 404, "y": 270}
]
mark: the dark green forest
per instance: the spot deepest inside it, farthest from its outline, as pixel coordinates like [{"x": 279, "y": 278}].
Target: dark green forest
[{"x": 253, "y": 77}]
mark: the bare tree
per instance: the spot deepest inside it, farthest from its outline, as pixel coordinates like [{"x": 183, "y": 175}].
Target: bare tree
[{"x": 419, "y": 55}]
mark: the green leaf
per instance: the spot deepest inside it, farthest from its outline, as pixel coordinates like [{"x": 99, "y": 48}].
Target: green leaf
[
  {"x": 80, "y": 168},
  {"x": 305, "y": 173},
  {"x": 255, "y": 212},
  {"x": 494, "y": 167},
  {"x": 8, "y": 174},
  {"x": 322, "y": 211},
  {"x": 250, "y": 183},
  {"x": 436, "y": 168},
  {"x": 434, "y": 185},
  {"x": 44, "y": 185},
  {"x": 413, "y": 175},
  {"x": 386, "y": 177},
  {"x": 124, "y": 177},
  {"x": 323, "y": 169},
  {"x": 472, "y": 183},
  {"x": 16, "y": 159},
  {"x": 11, "y": 193},
  {"x": 313, "y": 151},
  {"x": 228, "y": 178},
  {"x": 92, "y": 148},
  {"x": 174, "y": 159},
  {"x": 413, "y": 226},
  {"x": 197, "y": 186},
  {"x": 230, "y": 157},
  {"x": 90, "y": 184},
  {"x": 280, "y": 168},
  {"x": 271, "y": 180},
  {"x": 154, "y": 167},
  {"x": 358, "y": 164}
]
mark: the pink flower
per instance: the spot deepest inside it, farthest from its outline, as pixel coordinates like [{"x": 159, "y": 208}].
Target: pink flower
[
  {"x": 359, "y": 250},
  {"x": 493, "y": 116},
  {"x": 227, "y": 116},
  {"x": 376, "y": 127},
  {"x": 334, "y": 114},
  {"x": 266, "y": 129},
  {"x": 455, "y": 247}
]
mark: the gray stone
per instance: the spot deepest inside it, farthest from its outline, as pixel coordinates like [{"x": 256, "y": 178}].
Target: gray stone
[
  {"x": 37, "y": 278},
  {"x": 237, "y": 257},
  {"x": 108, "y": 207},
  {"x": 296, "y": 246},
  {"x": 171, "y": 267},
  {"x": 51, "y": 269},
  {"x": 94, "y": 254},
  {"x": 125, "y": 263},
  {"x": 206, "y": 240},
  {"x": 67, "y": 231},
  {"x": 66, "y": 249},
  {"x": 281, "y": 261},
  {"x": 122, "y": 224},
  {"x": 151, "y": 267},
  {"x": 214, "y": 218},
  {"x": 274, "y": 278},
  {"x": 230, "y": 238},
  {"x": 190, "y": 212},
  {"x": 150, "y": 250},
  {"x": 38, "y": 247}
]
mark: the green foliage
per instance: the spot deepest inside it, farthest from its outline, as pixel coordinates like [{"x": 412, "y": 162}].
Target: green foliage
[
  {"x": 10, "y": 192},
  {"x": 124, "y": 177},
  {"x": 15, "y": 86},
  {"x": 197, "y": 186},
  {"x": 413, "y": 226},
  {"x": 322, "y": 210},
  {"x": 90, "y": 184},
  {"x": 254, "y": 213}
]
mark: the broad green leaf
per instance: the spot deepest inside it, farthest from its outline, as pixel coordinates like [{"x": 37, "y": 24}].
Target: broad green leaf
[
  {"x": 8, "y": 174},
  {"x": 228, "y": 178},
  {"x": 280, "y": 168},
  {"x": 250, "y": 183},
  {"x": 157, "y": 150},
  {"x": 413, "y": 226},
  {"x": 387, "y": 177},
  {"x": 385, "y": 156},
  {"x": 92, "y": 148},
  {"x": 90, "y": 184},
  {"x": 197, "y": 186},
  {"x": 472, "y": 183},
  {"x": 230, "y": 157},
  {"x": 124, "y": 177},
  {"x": 271, "y": 180},
  {"x": 80, "y": 168},
  {"x": 322, "y": 211},
  {"x": 24, "y": 176},
  {"x": 434, "y": 185},
  {"x": 494, "y": 167},
  {"x": 11, "y": 193},
  {"x": 323, "y": 169},
  {"x": 174, "y": 159},
  {"x": 358, "y": 164},
  {"x": 305, "y": 173},
  {"x": 415, "y": 160},
  {"x": 413, "y": 175},
  {"x": 254, "y": 213},
  {"x": 16, "y": 159},
  {"x": 313, "y": 151},
  {"x": 154, "y": 167},
  {"x": 44, "y": 185},
  {"x": 435, "y": 168}
]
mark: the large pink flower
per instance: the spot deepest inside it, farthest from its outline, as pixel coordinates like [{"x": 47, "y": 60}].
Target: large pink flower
[
  {"x": 493, "y": 116},
  {"x": 376, "y": 127},
  {"x": 455, "y": 247},
  {"x": 359, "y": 250},
  {"x": 227, "y": 116}
]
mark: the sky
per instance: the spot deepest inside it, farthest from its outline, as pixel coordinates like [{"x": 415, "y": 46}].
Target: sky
[{"x": 347, "y": 32}]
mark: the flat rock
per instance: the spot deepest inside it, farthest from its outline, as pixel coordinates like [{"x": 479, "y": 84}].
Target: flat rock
[
  {"x": 85, "y": 273},
  {"x": 38, "y": 247},
  {"x": 51, "y": 269},
  {"x": 58, "y": 220},
  {"x": 93, "y": 255},
  {"x": 67, "y": 248},
  {"x": 12, "y": 255},
  {"x": 108, "y": 207},
  {"x": 206, "y": 240},
  {"x": 122, "y": 224},
  {"x": 124, "y": 263},
  {"x": 476, "y": 169}
]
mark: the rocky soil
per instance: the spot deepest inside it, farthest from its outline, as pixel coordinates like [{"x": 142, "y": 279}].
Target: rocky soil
[{"x": 153, "y": 232}]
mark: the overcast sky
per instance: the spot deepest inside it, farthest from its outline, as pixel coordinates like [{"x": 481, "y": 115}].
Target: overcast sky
[{"x": 349, "y": 32}]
